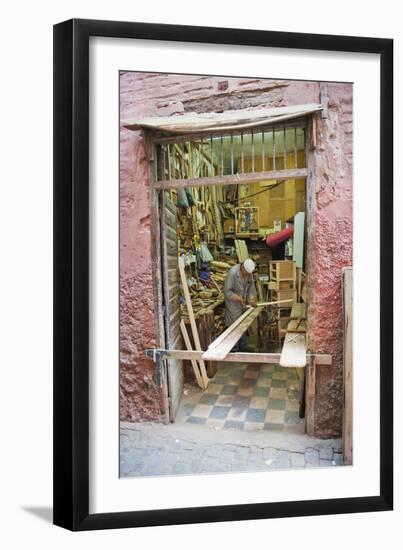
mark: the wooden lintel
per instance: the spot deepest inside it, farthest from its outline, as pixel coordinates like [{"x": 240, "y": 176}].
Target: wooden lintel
[
  {"x": 280, "y": 175},
  {"x": 321, "y": 359},
  {"x": 161, "y": 137},
  {"x": 148, "y": 144}
]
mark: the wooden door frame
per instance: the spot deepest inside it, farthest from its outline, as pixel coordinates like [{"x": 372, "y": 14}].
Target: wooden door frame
[
  {"x": 157, "y": 187},
  {"x": 157, "y": 273}
]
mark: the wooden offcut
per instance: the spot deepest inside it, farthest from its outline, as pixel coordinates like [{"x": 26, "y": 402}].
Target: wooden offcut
[{"x": 293, "y": 353}]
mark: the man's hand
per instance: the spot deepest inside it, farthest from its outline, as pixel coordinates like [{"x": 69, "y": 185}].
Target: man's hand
[
  {"x": 239, "y": 299},
  {"x": 252, "y": 301}
]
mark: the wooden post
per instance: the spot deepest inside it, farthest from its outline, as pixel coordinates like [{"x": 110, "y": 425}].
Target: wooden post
[
  {"x": 347, "y": 289},
  {"x": 310, "y": 398},
  {"x": 157, "y": 283}
]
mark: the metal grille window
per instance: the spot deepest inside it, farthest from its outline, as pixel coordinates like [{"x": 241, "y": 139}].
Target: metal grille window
[{"x": 260, "y": 152}]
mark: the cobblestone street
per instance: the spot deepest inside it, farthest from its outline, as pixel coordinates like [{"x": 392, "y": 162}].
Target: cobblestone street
[{"x": 155, "y": 450}]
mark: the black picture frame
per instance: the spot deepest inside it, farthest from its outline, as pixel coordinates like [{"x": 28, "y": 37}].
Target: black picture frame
[{"x": 71, "y": 274}]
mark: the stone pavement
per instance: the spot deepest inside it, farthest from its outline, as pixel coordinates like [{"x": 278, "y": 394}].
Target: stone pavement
[{"x": 149, "y": 449}]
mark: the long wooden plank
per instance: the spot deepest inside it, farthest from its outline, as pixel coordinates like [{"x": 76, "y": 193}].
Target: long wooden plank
[
  {"x": 348, "y": 366},
  {"x": 293, "y": 353},
  {"x": 321, "y": 359},
  {"x": 274, "y": 303},
  {"x": 228, "y": 330},
  {"x": 298, "y": 239},
  {"x": 193, "y": 361},
  {"x": 193, "y": 326},
  {"x": 225, "y": 346}
]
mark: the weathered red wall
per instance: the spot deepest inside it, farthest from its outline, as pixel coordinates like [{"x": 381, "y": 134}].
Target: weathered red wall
[
  {"x": 330, "y": 239},
  {"x": 329, "y": 212}
]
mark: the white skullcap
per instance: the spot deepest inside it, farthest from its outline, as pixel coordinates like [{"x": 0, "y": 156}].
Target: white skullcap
[{"x": 249, "y": 265}]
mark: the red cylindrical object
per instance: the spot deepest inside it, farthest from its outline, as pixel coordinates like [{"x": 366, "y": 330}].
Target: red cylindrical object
[{"x": 276, "y": 238}]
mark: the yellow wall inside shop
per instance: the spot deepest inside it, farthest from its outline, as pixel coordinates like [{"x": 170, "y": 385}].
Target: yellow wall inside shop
[{"x": 284, "y": 201}]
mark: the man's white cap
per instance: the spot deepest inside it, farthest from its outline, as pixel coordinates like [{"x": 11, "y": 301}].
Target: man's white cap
[{"x": 249, "y": 265}]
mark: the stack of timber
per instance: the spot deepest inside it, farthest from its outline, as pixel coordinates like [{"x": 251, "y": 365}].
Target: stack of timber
[
  {"x": 207, "y": 301},
  {"x": 241, "y": 250},
  {"x": 219, "y": 322},
  {"x": 219, "y": 271},
  {"x": 201, "y": 219},
  {"x": 220, "y": 348},
  {"x": 203, "y": 301}
]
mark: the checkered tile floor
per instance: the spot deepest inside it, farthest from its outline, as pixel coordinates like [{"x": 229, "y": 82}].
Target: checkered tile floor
[{"x": 245, "y": 397}]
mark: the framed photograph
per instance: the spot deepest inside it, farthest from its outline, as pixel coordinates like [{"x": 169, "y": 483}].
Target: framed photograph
[{"x": 223, "y": 299}]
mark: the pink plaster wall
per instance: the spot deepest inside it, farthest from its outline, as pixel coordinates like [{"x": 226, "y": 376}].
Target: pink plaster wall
[
  {"x": 331, "y": 248},
  {"x": 330, "y": 243}
]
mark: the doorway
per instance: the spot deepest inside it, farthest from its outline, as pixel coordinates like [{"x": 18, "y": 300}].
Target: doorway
[
  {"x": 238, "y": 396},
  {"x": 217, "y": 207}
]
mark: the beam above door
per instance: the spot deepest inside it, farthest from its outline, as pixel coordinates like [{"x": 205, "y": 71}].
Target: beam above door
[{"x": 233, "y": 179}]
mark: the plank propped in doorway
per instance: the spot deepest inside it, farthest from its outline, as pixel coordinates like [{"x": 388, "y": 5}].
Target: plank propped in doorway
[
  {"x": 193, "y": 362},
  {"x": 193, "y": 326},
  {"x": 293, "y": 353},
  {"x": 220, "y": 348}
]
